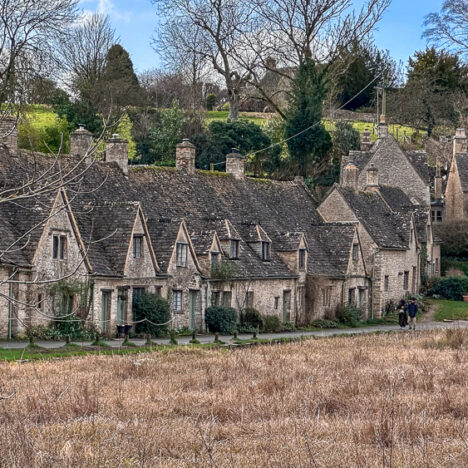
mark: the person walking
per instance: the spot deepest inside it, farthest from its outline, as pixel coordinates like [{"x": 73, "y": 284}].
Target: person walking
[
  {"x": 402, "y": 314},
  {"x": 412, "y": 311}
]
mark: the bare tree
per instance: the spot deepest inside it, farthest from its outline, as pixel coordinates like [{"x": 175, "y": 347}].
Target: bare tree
[
  {"x": 295, "y": 31},
  {"x": 84, "y": 52},
  {"x": 449, "y": 28},
  {"x": 29, "y": 33},
  {"x": 219, "y": 26}
]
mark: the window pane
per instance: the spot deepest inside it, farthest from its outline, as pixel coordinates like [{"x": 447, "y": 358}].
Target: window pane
[
  {"x": 234, "y": 253},
  {"x": 55, "y": 247},
  {"x": 137, "y": 243},
  {"x": 181, "y": 254},
  {"x": 63, "y": 247}
]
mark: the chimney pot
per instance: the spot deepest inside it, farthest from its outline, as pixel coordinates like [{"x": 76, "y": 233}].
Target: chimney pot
[
  {"x": 350, "y": 176},
  {"x": 372, "y": 176},
  {"x": 366, "y": 143},
  {"x": 81, "y": 142},
  {"x": 460, "y": 142}
]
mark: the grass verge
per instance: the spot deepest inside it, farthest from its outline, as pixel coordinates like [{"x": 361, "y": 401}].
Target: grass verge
[{"x": 449, "y": 310}]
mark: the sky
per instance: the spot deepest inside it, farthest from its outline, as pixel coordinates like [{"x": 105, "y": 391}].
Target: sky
[{"x": 135, "y": 21}]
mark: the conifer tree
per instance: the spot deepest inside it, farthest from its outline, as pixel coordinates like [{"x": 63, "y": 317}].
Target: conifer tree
[{"x": 305, "y": 110}]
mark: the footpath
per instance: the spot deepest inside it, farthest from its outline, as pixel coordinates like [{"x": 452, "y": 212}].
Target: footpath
[{"x": 208, "y": 338}]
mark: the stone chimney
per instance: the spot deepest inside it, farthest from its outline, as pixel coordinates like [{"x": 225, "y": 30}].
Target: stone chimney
[
  {"x": 235, "y": 164},
  {"x": 372, "y": 177},
  {"x": 9, "y": 133},
  {"x": 81, "y": 142},
  {"x": 366, "y": 143},
  {"x": 438, "y": 182},
  {"x": 350, "y": 177},
  {"x": 459, "y": 142},
  {"x": 383, "y": 128},
  {"x": 117, "y": 151},
  {"x": 185, "y": 156}
]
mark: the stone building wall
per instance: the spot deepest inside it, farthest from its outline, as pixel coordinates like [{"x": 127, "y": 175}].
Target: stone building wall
[{"x": 454, "y": 197}]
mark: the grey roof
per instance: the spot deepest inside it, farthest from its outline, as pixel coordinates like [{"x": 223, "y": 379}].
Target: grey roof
[
  {"x": 462, "y": 164},
  {"x": 379, "y": 221},
  {"x": 395, "y": 197}
]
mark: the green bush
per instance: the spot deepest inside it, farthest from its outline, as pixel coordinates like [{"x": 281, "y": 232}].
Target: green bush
[
  {"x": 323, "y": 323},
  {"x": 349, "y": 315},
  {"x": 452, "y": 287},
  {"x": 155, "y": 309},
  {"x": 251, "y": 318},
  {"x": 221, "y": 319},
  {"x": 210, "y": 101},
  {"x": 71, "y": 326},
  {"x": 272, "y": 324}
]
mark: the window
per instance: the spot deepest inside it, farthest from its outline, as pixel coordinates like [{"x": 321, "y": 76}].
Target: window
[
  {"x": 39, "y": 301},
  {"x": 215, "y": 298},
  {"x": 355, "y": 252},
  {"x": 406, "y": 280},
  {"x": 227, "y": 298},
  {"x": 436, "y": 216},
  {"x": 177, "y": 300},
  {"x": 181, "y": 254},
  {"x": 439, "y": 216},
  {"x": 265, "y": 251},
  {"x": 386, "y": 282},
  {"x": 276, "y": 302},
  {"x": 437, "y": 265},
  {"x": 234, "y": 249},
  {"x": 249, "y": 296},
  {"x": 214, "y": 259},
  {"x": 302, "y": 259},
  {"x": 137, "y": 246},
  {"x": 59, "y": 247},
  {"x": 326, "y": 296},
  {"x": 352, "y": 296}
]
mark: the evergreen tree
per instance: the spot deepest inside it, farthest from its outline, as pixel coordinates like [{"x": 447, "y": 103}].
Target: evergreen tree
[{"x": 304, "y": 115}]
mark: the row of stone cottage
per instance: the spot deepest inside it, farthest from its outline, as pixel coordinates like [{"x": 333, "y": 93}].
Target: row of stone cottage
[{"x": 199, "y": 238}]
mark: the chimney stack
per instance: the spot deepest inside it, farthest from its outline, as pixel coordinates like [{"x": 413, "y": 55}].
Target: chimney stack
[
  {"x": 117, "y": 151},
  {"x": 235, "y": 164},
  {"x": 185, "y": 156},
  {"x": 372, "y": 177},
  {"x": 366, "y": 143},
  {"x": 383, "y": 128},
  {"x": 350, "y": 177},
  {"x": 9, "y": 133},
  {"x": 459, "y": 142},
  {"x": 438, "y": 182},
  {"x": 81, "y": 142}
]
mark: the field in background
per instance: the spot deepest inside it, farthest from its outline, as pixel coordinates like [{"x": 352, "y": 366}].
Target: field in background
[
  {"x": 449, "y": 310},
  {"x": 380, "y": 400}
]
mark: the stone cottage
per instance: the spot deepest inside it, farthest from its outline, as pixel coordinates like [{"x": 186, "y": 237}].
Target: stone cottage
[{"x": 89, "y": 245}]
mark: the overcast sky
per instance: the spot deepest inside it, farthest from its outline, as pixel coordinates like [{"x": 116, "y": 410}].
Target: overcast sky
[{"x": 135, "y": 21}]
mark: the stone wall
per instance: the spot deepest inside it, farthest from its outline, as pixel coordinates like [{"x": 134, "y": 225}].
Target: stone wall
[{"x": 454, "y": 197}]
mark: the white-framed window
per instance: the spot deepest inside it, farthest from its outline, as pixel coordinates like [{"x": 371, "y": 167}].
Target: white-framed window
[
  {"x": 59, "y": 247},
  {"x": 181, "y": 254},
  {"x": 234, "y": 249},
  {"x": 137, "y": 246},
  {"x": 266, "y": 251},
  {"x": 177, "y": 300}
]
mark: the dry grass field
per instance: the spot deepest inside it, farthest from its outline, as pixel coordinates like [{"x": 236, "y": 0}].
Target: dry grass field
[{"x": 398, "y": 400}]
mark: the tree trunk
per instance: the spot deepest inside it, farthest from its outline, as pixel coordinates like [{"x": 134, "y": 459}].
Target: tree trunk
[{"x": 234, "y": 102}]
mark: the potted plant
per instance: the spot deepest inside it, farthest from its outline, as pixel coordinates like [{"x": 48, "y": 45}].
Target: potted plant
[{"x": 120, "y": 330}]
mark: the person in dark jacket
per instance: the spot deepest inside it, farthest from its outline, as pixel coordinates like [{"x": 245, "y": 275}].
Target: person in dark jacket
[
  {"x": 412, "y": 311},
  {"x": 402, "y": 314}
]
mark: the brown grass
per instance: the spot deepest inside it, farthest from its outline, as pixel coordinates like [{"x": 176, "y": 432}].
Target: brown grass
[{"x": 366, "y": 401}]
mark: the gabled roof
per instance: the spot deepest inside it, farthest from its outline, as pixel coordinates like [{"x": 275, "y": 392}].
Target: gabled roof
[
  {"x": 336, "y": 240},
  {"x": 395, "y": 198},
  {"x": 379, "y": 221},
  {"x": 419, "y": 161}
]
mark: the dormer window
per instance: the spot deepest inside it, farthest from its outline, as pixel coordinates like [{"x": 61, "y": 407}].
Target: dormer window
[
  {"x": 302, "y": 259},
  {"x": 181, "y": 254},
  {"x": 266, "y": 254},
  {"x": 137, "y": 246},
  {"x": 234, "y": 249},
  {"x": 59, "y": 247},
  {"x": 214, "y": 259}
]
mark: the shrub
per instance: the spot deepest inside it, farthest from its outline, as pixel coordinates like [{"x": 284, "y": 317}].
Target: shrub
[
  {"x": 221, "y": 319},
  {"x": 323, "y": 323},
  {"x": 452, "y": 287},
  {"x": 156, "y": 310},
  {"x": 349, "y": 315},
  {"x": 272, "y": 324},
  {"x": 210, "y": 101},
  {"x": 251, "y": 318},
  {"x": 71, "y": 326}
]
